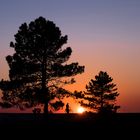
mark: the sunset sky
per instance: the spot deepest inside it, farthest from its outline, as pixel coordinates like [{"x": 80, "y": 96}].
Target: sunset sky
[{"x": 103, "y": 34}]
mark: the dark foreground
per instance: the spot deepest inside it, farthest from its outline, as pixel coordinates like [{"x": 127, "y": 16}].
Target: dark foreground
[{"x": 67, "y": 126}]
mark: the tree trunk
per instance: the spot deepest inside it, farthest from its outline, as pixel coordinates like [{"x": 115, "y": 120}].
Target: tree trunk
[
  {"x": 46, "y": 112},
  {"x": 101, "y": 107},
  {"x": 45, "y": 91},
  {"x": 46, "y": 101}
]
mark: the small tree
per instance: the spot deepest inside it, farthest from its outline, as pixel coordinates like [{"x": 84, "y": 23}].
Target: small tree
[
  {"x": 100, "y": 94},
  {"x": 38, "y": 67}
]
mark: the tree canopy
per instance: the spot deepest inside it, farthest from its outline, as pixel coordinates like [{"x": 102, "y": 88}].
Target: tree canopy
[{"x": 38, "y": 67}]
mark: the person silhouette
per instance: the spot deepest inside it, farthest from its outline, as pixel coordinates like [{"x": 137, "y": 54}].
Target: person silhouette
[{"x": 67, "y": 108}]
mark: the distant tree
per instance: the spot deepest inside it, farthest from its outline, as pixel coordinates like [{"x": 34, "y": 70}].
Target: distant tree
[
  {"x": 100, "y": 94},
  {"x": 38, "y": 67}
]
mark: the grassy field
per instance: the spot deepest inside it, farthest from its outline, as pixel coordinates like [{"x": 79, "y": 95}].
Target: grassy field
[{"x": 72, "y": 124}]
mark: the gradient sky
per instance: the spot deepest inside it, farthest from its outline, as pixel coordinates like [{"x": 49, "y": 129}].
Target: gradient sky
[{"x": 104, "y": 35}]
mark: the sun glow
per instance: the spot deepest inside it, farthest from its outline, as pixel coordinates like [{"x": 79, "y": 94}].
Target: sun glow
[{"x": 80, "y": 110}]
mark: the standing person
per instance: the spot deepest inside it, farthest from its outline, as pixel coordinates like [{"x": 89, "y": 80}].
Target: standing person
[{"x": 67, "y": 108}]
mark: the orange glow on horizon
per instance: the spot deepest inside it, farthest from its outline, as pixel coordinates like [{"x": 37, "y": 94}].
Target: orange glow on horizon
[{"x": 80, "y": 110}]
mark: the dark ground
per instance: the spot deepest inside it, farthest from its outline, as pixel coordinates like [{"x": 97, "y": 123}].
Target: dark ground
[{"x": 68, "y": 126}]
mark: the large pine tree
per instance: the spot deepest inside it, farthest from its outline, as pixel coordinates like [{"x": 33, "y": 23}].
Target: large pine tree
[{"x": 38, "y": 66}]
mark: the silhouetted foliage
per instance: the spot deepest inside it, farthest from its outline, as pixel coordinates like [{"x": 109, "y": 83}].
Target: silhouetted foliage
[
  {"x": 78, "y": 94},
  {"x": 38, "y": 67},
  {"x": 100, "y": 94},
  {"x": 36, "y": 110},
  {"x": 57, "y": 105}
]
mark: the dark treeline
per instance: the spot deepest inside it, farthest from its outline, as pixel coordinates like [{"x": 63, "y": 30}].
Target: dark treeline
[{"x": 38, "y": 71}]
